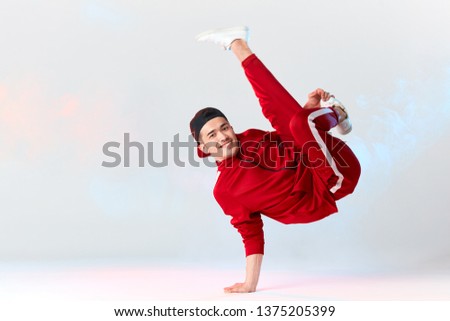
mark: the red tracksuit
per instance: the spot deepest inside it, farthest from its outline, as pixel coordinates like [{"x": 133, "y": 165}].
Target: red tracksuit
[{"x": 292, "y": 175}]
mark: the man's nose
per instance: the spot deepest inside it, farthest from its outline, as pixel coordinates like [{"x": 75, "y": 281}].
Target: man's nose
[{"x": 222, "y": 137}]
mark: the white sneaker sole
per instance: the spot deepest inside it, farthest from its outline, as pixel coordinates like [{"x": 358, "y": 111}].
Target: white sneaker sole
[{"x": 220, "y": 36}]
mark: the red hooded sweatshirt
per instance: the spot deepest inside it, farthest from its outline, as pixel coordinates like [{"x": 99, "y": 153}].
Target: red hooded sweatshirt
[{"x": 276, "y": 173}]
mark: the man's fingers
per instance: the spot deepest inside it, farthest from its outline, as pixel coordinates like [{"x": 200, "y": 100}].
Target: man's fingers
[
  {"x": 229, "y": 288},
  {"x": 236, "y": 288},
  {"x": 317, "y": 92},
  {"x": 326, "y": 96}
]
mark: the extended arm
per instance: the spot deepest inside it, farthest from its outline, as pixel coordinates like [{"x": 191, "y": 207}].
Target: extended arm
[
  {"x": 250, "y": 226},
  {"x": 253, "y": 268},
  {"x": 253, "y": 237}
]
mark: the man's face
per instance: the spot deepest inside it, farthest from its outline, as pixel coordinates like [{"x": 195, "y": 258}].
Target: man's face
[{"x": 218, "y": 139}]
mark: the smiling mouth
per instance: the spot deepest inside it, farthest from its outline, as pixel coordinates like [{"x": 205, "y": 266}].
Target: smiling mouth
[
  {"x": 225, "y": 145},
  {"x": 228, "y": 144}
]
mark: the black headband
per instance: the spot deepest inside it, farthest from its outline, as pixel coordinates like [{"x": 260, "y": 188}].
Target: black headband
[{"x": 201, "y": 118}]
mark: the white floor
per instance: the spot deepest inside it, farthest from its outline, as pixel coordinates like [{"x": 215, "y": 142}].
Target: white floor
[{"x": 146, "y": 282}]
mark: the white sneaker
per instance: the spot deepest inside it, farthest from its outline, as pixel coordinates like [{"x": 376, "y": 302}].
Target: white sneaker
[
  {"x": 345, "y": 126},
  {"x": 224, "y": 36}
]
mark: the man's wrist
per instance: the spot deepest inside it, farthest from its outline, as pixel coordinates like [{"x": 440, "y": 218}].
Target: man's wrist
[
  {"x": 251, "y": 282},
  {"x": 250, "y": 287}
]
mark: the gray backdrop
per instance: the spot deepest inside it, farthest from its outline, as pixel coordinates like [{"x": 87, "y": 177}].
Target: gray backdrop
[{"x": 75, "y": 75}]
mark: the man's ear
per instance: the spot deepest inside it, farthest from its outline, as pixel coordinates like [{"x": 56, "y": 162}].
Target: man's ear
[{"x": 200, "y": 152}]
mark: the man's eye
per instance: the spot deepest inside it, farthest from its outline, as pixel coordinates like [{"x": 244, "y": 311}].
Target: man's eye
[{"x": 225, "y": 128}]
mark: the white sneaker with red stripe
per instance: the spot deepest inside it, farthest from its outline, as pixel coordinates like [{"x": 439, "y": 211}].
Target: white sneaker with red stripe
[{"x": 345, "y": 126}]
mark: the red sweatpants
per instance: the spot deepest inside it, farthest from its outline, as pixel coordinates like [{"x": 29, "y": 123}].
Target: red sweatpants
[{"x": 328, "y": 157}]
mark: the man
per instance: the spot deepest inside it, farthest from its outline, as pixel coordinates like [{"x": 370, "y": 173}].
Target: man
[{"x": 294, "y": 174}]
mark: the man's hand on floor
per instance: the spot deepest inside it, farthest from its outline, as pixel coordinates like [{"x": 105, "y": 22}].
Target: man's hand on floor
[{"x": 239, "y": 288}]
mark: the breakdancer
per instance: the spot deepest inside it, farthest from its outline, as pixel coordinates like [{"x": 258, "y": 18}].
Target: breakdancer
[{"x": 294, "y": 174}]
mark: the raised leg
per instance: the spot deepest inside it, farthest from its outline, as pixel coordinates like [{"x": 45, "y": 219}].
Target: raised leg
[{"x": 328, "y": 157}]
